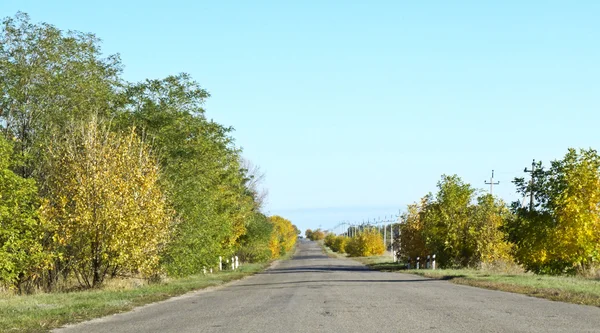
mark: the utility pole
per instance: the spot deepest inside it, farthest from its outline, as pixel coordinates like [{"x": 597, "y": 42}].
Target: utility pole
[
  {"x": 384, "y": 234},
  {"x": 491, "y": 183},
  {"x": 531, "y": 187}
]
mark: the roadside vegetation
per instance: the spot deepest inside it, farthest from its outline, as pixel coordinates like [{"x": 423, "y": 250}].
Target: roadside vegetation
[
  {"x": 571, "y": 289},
  {"x": 104, "y": 180},
  {"x": 548, "y": 247},
  {"x": 44, "y": 311}
]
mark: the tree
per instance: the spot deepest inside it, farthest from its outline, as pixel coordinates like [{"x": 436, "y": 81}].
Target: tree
[
  {"x": 204, "y": 176},
  {"x": 308, "y": 233},
  {"x": 447, "y": 231},
  {"x": 339, "y": 244},
  {"x": 410, "y": 240},
  {"x": 561, "y": 234},
  {"x": 254, "y": 244},
  {"x": 329, "y": 239},
  {"x": 283, "y": 237},
  {"x": 488, "y": 219},
  {"x": 369, "y": 242},
  {"x": 106, "y": 208},
  {"x": 316, "y": 235},
  {"x": 22, "y": 256},
  {"x": 48, "y": 79}
]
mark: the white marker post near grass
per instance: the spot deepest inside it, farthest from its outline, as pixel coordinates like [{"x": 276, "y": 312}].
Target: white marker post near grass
[
  {"x": 237, "y": 262},
  {"x": 433, "y": 262},
  {"x": 220, "y": 263}
]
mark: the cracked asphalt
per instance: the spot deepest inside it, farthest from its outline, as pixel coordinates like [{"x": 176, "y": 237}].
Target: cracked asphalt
[{"x": 314, "y": 293}]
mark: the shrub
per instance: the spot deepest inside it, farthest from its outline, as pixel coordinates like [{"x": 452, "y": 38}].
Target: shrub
[
  {"x": 316, "y": 235},
  {"x": 367, "y": 243},
  {"x": 339, "y": 244},
  {"x": 329, "y": 239}
]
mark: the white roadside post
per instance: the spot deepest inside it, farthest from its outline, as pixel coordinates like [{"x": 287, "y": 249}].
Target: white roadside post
[
  {"x": 418, "y": 262},
  {"x": 220, "y": 263},
  {"x": 237, "y": 262},
  {"x": 204, "y": 270},
  {"x": 433, "y": 262},
  {"x": 211, "y": 271},
  {"x": 232, "y": 263}
]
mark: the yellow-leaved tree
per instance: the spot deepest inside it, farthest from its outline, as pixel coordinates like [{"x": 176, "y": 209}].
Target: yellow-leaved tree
[
  {"x": 368, "y": 242},
  {"x": 410, "y": 241},
  {"x": 283, "y": 236},
  {"x": 103, "y": 200}
]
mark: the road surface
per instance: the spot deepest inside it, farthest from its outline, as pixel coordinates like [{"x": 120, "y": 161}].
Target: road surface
[{"x": 314, "y": 293}]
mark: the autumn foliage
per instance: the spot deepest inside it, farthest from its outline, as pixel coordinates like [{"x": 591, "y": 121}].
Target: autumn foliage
[
  {"x": 108, "y": 213},
  {"x": 367, "y": 243},
  {"x": 101, "y": 178},
  {"x": 283, "y": 237}
]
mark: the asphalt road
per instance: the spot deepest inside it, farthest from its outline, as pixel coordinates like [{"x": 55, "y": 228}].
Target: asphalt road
[{"x": 313, "y": 293}]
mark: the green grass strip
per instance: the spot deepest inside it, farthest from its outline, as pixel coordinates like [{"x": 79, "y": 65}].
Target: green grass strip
[
  {"x": 43, "y": 312},
  {"x": 570, "y": 289}
]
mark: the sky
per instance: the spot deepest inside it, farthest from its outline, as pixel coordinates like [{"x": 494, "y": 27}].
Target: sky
[{"x": 354, "y": 109}]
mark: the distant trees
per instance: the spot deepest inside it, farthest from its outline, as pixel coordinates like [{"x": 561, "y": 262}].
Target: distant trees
[
  {"x": 283, "y": 237},
  {"x": 561, "y": 234},
  {"x": 460, "y": 229},
  {"x": 367, "y": 243},
  {"x": 314, "y": 235},
  {"x": 102, "y": 178}
]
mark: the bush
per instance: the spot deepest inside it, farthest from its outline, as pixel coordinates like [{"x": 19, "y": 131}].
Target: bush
[
  {"x": 316, "y": 235},
  {"x": 254, "y": 244},
  {"x": 329, "y": 239},
  {"x": 339, "y": 244},
  {"x": 367, "y": 243}
]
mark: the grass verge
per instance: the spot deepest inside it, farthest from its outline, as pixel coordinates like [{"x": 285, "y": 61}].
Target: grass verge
[
  {"x": 42, "y": 312},
  {"x": 570, "y": 289}
]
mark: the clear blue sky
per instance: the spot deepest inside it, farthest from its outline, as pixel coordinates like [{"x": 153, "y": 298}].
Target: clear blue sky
[{"x": 355, "y": 109}]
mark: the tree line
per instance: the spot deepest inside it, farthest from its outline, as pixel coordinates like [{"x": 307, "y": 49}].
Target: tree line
[
  {"x": 103, "y": 178},
  {"x": 559, "y": 233}
]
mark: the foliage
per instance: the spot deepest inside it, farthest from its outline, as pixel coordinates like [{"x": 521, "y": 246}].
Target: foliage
[
  {"x": 283, "y": 237},
  {"x": 446, "y": 227},
  {"x": 49, "y": 78},
  {"x": 203, "y": 173},
  {"x": 410, "y": 241},
  {"x": 339, "y": 244},
  {"x": 459, "y": 231},
  {"x": 254, "y": 244},
  {"x": 315, "y": 235},
  {"x": 561, "y": 234},
  {"x": 308, "y": 233},
  {"x": 107, "y": 211},
  {"x": 21, "y": 253},
  {"x": 329, "y": 239},
  {"x": 162, "y": 189},
  {"x": 367, "y": 243},
  {"x": 488, "y": 218}
]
